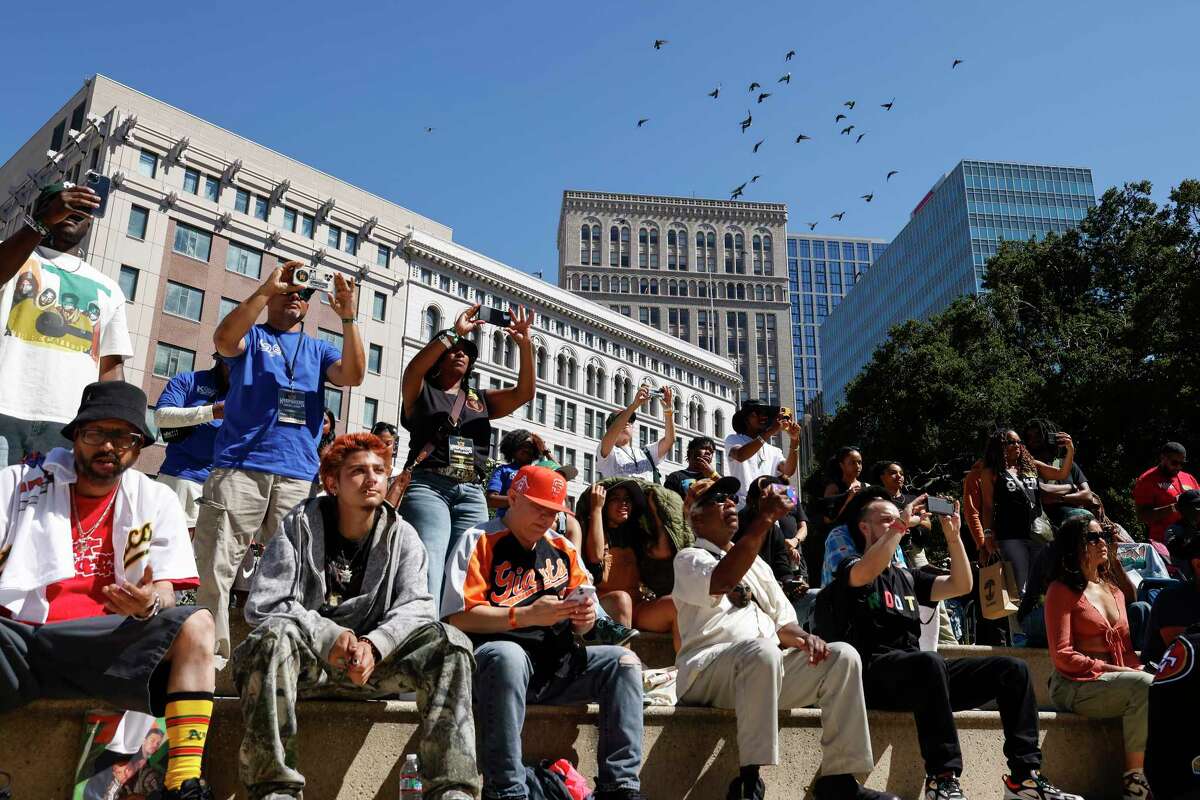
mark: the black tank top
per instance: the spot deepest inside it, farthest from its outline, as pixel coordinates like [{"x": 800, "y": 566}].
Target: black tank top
[
  {"x": 1016, "y": 503},
  {"x": 431, "y": 412}
]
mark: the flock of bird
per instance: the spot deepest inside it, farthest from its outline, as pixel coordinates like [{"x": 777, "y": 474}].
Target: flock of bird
[{"x": 756, "y": 91}]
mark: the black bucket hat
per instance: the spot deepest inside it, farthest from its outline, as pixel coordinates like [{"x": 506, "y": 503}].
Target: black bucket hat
[
  {"x": 111, "y": 400},
  {"x": 738, "y": 423}
]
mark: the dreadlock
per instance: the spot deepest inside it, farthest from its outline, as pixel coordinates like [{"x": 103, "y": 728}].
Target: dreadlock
[{"x": 994, "y": 457}]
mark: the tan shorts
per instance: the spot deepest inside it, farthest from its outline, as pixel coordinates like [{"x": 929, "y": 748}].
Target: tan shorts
[{"x": 188, "y": 493}]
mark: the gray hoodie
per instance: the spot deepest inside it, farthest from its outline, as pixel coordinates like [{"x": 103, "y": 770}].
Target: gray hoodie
[{"x": 290, "y": 582}]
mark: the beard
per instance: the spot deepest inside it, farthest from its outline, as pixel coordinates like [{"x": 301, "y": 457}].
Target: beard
[{"x": 96, "y": 468}]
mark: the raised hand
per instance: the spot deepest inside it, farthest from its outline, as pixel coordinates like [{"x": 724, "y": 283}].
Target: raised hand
[
  {"x": 466, "y": 324},
  {"x": 131, "y": 600},
  {"x": 341, "y": 299},
  {"x": 518, "y": 331},
  {"x": 280, "y": 279},
  {"x": 76, "y": 200}
]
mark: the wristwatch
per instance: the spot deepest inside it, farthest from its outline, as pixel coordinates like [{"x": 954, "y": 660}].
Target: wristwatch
[
  {"x": 449, "y": 339},
  {"x": 37, "y": 226},
  {"x": 349, "y": 320},
  {"x": 154, "y": 609}
]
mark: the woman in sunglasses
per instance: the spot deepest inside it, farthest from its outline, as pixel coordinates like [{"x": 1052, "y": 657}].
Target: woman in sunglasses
[{"x": 1097, "y": 674}]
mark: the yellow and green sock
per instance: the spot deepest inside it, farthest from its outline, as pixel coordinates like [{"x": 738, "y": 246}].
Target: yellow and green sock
[{"x": 188, "y": 715}]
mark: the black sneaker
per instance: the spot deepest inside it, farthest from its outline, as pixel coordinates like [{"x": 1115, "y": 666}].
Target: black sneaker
[
  {"x": 1035, "y": 787},
  {"x": 609, "y": 631},
  {"x": 845, "y": 787},
  {"x": 192, "y": 789},
  {"x": 739, "y": 791}
]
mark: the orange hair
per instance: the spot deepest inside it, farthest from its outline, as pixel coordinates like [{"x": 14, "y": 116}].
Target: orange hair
[{"x": 347, "y": 445}]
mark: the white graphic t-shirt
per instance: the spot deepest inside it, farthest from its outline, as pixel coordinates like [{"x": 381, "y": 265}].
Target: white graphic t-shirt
[
  {"x": 60, "y": 316},
  {"x": 765, "y": 461}
]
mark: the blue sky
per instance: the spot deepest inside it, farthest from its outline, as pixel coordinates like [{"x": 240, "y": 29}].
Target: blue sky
[{"x": 528, "y": 99}]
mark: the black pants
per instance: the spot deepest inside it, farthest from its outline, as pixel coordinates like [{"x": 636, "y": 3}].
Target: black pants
[{"x": 933, "y": 689}]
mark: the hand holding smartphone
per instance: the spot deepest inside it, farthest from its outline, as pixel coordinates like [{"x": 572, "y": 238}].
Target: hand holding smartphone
[
  {"x": 494, "y": 316},
  {"x": 102, "y": 186},
  {"x": 583, "y": 592}
]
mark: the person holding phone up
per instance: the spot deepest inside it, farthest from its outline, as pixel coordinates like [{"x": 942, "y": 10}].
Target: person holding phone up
[
  {"x": 450, "y": 428},
  {"x": 64, "y": 321}
]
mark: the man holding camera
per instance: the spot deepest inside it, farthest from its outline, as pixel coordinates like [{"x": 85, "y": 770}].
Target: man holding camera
[
  {"x": 618, "y": 457},
  {"x": 64, "y": 322},
  {"x": 747, "y": 450},
  {"x": 266, "y": 449}
]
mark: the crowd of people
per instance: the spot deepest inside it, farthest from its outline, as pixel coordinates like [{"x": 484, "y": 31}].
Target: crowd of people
[{"x": 478, "y": 587}]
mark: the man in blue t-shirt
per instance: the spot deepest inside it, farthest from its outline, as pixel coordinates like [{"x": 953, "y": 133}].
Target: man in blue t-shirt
[
  {"x": 189, "y": 413},
  {"x": 265, "y": 455}
]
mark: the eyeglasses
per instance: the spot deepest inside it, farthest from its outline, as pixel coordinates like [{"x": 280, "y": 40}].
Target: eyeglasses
[
  {"x": 121, "y": 440},
  {"x": 716, "y": 497}
]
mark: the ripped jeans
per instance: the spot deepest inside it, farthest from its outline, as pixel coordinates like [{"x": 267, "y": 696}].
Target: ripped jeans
[{"x": 502, "y": 674}]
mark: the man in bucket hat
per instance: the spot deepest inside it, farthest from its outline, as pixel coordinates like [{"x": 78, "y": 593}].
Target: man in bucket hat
[
  {"x": 64, "y": 322},
  {"x": 91, "y": 553},
  {"x": 749, "y": 454}
]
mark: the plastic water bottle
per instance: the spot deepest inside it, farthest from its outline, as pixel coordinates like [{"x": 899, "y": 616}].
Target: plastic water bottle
[{"x": 410, "y": 779}]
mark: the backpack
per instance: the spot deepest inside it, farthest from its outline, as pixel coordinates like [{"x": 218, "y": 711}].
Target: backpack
[
  {"x": 1173, "y": 760},
  {"x": 831, "y": 618},
  {"x": 544, "y": 784}
]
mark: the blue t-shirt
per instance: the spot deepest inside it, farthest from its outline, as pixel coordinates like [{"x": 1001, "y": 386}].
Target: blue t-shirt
[
  {"x": 252, "y": 437},
  {"x": 502, "y": 478},
  {"x": 191, "y": 458}
]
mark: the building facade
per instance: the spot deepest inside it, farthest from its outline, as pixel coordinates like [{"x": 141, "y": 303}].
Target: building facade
[
  {"x": 707, "y": 272},
  {"x": 199, "y": 216},
  {"x": 941, "y": 254}
]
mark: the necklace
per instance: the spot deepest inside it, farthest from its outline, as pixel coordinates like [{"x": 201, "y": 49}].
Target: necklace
[{"x": 87, "y": 534}]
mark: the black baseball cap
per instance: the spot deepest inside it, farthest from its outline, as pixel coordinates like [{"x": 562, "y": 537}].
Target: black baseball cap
[
  {"x": 611, "y": 418},
  {"x": 1189, "y": 499},
  {"x": 111, "y": 400}
]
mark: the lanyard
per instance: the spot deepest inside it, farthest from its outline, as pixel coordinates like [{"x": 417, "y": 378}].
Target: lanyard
[{"x": 289, "y": 367}]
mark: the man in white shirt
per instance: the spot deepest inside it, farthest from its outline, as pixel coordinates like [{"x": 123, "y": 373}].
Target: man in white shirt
[
  {"x": 618, "y": 457},
  {"x": 742, "y": 648},
  {"x": 749, "y": 455},
  {"x": 64, "y": 322}
]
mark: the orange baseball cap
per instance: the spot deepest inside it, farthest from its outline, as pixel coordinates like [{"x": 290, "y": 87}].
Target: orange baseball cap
[{"x": 543, "y": 486}]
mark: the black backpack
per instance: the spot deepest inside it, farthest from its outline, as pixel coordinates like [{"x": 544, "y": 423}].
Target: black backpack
[
  {"x": 544, "y": 784},
  {"x": 831, "y": 617},
  {"x": 1172, "y": 755}
]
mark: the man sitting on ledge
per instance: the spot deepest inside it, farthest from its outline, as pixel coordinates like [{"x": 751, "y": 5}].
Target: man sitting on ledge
[
  {"x": 91, "y": 553},
  {"x": 341, "y": 600}
]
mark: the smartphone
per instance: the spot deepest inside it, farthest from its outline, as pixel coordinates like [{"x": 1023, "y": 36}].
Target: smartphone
[
  {"x": 939, "y": 506},
  {"x": 101, "y": 185},
  {"x": 494, "y": 316},
  {"x": 787, "y": 491},
  {"x": 582, "y": 592}
]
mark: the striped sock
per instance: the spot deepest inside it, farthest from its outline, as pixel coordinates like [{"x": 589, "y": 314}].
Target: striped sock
[{"x": 188, "y": 714}]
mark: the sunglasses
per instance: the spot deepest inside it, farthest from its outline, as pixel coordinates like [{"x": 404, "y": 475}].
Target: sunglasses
[
  {"x": 716, "y": 497},
  {"x": 1093, "y": 538}
]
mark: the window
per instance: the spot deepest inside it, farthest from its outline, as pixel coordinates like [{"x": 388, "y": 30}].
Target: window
[
  {"x": 330, "y": 337},
  {"x": 383, "y": 256},
  {"x": 56, "y": 137},
  {"x": 191, "y": 181},
  {"x": 589, "y": 468},
  {"x": 431, "y": 323},
  {"x": 260, "y": 207},
  {"x": 183, "y": 301},
  {"x": 379, "y": 307},
  {"x": 147, "y": 164},
  {"x": 128, "y": 282},
  {"x": 289, "y": 219},
  {"x": 559, "y": 456},
  {"x": 139, "y": 219},
  {"x": 170, "y": 360},
  {"x": 192, "y": 242},
  {"x": 351, "y": 243},
  {"x": 677, "y": 451},
  {"x": 243, "y": 260},
  {"x": 559, "y": 414},
  {"x": 307, "y": 224},
  {"x": 334, "y": 237},
  {"x": 241, "y": 201},
  {"x": 375, "y": 359},
  {"x": 224, "y": 307},
  {"x": 370, "y": 412},
  {"x": 333, "y": 401},
  {"x": 212, "y": 188},
  {"x": 540, "y": 408},
  {"x": 572, "y": 410}
]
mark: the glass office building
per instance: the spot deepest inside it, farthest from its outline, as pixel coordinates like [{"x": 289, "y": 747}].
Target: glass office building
[{"x": 941, "y": 253}]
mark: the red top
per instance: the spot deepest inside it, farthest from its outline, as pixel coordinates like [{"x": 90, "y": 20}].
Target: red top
[
  {"x": 1077, "y": 632},
  {"x": 80, "y": 597},
  {"x": 1154, "y": 489}
]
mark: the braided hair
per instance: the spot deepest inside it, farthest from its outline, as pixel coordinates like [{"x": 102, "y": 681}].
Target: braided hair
[{"x": 994, "y": 457}]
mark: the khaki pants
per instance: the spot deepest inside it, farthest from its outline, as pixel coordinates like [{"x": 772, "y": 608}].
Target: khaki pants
[
  {"x": 236, "y": 508},
  {"x": 1113, "y": 694},
  {"x": 188, "y": 493},
  {"x": 756, "y": 679}
]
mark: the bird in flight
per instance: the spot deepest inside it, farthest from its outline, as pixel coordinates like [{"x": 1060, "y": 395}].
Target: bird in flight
[
  {"x": 736, "y": 193},
  {"x": 838, "y": 118},
  {"x": 429, "y": 130},
  {"x": 758, "y": 144},
  {"x": 754, "y": 87},
  {"x": 787, "y": 78},
  {"x": 860, "y": 137},
  {"x": 763, "y": 96},
  {"x": 788, "y": 56},
  {"x": 849, "y": 104},
  {"x": 812, "y": 226},
  {"x": 888, "y": 105},
  {"x": 839, "y": 216},
  {"x": 890, "y": 174},
  {"x": 715, "y": 93},
  {"x": 642, "y": 122},
  {"x": 746, "y": 122},
  {"x": 846, "y": 130},
  {"x": 957, "y": 61},
  {"x": 658, "y": 43},
  {"x": 868, "y": 197},
  {"x": 755, "y": 178},
  {"x": 801, "y": 138}
]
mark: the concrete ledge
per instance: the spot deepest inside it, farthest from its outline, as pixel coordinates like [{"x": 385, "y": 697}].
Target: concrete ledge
[{"x": 354, "y": 749}]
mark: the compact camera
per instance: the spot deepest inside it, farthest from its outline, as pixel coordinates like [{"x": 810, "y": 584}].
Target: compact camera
[{"x": 318, "y": 280}]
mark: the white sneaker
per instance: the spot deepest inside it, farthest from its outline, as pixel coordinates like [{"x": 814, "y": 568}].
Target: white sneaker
[
  {"x": 1035, "y": 787},
  {"x": 945, "y": 787}
]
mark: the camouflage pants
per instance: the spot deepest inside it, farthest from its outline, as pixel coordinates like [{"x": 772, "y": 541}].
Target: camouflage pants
[{"x": 276, "y": 665}]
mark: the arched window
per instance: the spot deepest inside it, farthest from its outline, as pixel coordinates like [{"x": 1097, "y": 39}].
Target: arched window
[
  {"x": 683, "y": 249},
  {"x": 768, "y": 255},
  {"x": 585, "y": 244},
  {"x": 590, "y": 377},
  {"x": 673, "y": 288},
  {"x": 756, "y": 248},
  {"x": 758, "y": 292},
  {"x": 655, "y": 407},
  {"x": 572, "y": 374},
  {"x": 654, "y": 286},
  {"x": 678, "y": 406},
  {"x": 692, "y": 421},
  {"x": 575, "y": 282},
  {"x": 644, "y": 286},
  {"x": 719, "y": 424},
  {"x": 560, "y": 370},
  {"x": 712, "y": 252},
  {"x": 741, "y": 291},
  {"x": 729, "y": 253},
  {"x": 604, "y": 282},
  {"x": 509, "y": 352},
  {"x": 618, "y": 246},
  {"x": 431, "y": 323},
  {"x": 595, "y": 244},
  {"x": 625, "y": 285},
  {"x": 701, "y": 424},
  {"x": 498, "y": 347},
  {"x": 541, "y": 362},
  {"x": 702, "y": 290},
  {"x": 672, "y": 249},
  {"x": 653, "y": 247},
  {"x": 618, "y": 390},
  {"x": 739, "y": 254},
  {"x": 643, "y": 248}
]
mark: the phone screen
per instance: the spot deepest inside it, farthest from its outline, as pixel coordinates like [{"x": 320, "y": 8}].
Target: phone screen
[
  {"x": 939, "y": 506},
  {"x": 101, "y": 185},
  {"x": 494, "y": 316}
]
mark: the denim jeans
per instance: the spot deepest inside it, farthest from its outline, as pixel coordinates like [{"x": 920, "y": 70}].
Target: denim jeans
[
  {"x": 441, "y": 509},
  {"x": 502, "y": 674}
]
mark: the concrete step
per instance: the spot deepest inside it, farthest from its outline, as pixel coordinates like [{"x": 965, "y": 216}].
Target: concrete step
[{"x": 353, "y": 750}]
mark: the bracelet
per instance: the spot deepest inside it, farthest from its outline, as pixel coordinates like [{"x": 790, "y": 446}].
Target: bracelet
[
  {"x": 512, "y": 617},
  {"x": 37, "y": 226},
  {"x": 154, "y": 609},
  {"x": 449, "y": 340},
  {"x": 349, "y": 320}
]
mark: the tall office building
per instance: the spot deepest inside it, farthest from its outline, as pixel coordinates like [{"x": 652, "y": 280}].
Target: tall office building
[
  {"x": 706, "y": 271},
  {"x": 941, "y": 253},
  {"x": 199, "y": 215}
]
